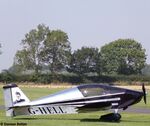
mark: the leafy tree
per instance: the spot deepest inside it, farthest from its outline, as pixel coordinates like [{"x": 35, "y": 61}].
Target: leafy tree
[
  {"x": 29, "y": 57},
  {"x": 56, "y": 50},
  {"x": 85, "y": 60},
  {"x": 6, "y": 76},
  {"x": 16, "y": 69},
  {"x": 123, "y": 56},
  {"x": 23, "y": 60}
]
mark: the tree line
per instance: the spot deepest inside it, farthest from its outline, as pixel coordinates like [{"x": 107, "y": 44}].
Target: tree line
[
  {"x": 49, "y": 51},
  {"x": 43, "y": 47}
]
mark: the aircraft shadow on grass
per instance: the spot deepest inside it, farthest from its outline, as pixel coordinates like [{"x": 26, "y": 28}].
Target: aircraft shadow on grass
[
  {"x": 65, "y": 119},
  {"x": 85, "y": 120}
]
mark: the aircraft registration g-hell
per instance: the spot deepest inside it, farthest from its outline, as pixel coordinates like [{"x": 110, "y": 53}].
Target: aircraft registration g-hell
[{"x": 83, "y": 98}]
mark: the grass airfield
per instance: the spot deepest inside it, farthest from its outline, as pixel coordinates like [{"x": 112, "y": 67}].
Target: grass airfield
[{"x": 83, "y": 119}]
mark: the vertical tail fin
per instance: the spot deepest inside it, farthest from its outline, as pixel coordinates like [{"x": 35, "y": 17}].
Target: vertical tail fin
[{"x": 13, "y": 96}]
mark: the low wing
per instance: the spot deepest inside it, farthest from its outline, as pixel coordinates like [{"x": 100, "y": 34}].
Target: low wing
[
  {"x": 44, "y": 110},
  {"x": 66, "y": 107}
]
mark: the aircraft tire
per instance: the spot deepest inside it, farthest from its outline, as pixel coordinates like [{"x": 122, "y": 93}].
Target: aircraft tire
[{"x": 111, "y": 117}]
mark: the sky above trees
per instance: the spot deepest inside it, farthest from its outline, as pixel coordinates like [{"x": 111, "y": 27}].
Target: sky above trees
[{"x": 87, "y": 22}]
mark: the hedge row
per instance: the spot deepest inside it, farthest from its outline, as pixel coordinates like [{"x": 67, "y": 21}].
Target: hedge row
[{"x": 68, "y": 78}]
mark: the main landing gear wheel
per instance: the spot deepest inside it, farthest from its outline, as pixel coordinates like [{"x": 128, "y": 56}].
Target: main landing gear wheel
[{"x": 111, "y": 117}]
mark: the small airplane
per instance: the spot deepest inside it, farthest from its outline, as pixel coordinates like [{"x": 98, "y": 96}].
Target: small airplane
[{"x": 80, "y": 99}]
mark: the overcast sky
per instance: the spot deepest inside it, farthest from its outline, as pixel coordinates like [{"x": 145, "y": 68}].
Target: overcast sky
[{"x": 87, "y": 22}]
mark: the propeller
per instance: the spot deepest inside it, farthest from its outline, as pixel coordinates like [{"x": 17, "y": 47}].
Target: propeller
[{"x": 144, "y": 92}]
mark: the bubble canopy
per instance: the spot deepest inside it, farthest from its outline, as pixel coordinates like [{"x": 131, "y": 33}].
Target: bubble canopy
[{"x": 95, "y": 90}]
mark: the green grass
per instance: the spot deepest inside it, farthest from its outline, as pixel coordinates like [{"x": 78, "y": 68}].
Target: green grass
[{"x": 85, "y": 119}]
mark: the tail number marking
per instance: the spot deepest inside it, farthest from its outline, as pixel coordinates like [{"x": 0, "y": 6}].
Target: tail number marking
[{"x": 46, "y": 110}]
